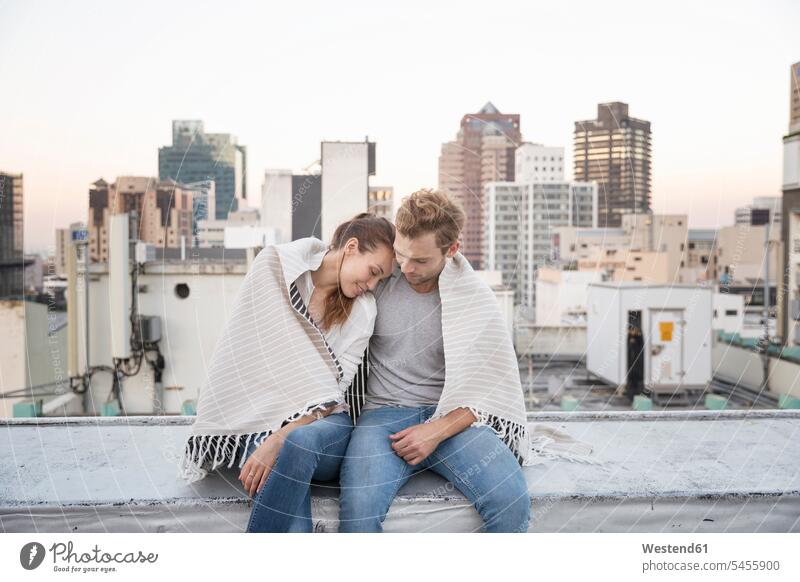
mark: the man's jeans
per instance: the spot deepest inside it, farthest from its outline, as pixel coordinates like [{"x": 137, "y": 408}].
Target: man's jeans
[
  {"x": 313, "y": 451},
  {"x": 475, "y": 461}
]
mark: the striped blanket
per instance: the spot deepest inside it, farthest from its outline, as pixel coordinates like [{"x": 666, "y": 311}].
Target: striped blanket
[
  {"x": 482, "y": 372},
  {"x": 270, "y": 366}
]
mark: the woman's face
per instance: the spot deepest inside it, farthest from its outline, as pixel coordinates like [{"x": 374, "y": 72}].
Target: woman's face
[{"x": 362, "y": 271}]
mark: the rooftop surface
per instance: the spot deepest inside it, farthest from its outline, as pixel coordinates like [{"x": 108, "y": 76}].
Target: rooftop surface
[{"x": 726, "y": 471}]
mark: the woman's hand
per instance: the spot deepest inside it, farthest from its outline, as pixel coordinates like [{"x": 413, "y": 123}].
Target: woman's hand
[{"x": 259, "y": 464}]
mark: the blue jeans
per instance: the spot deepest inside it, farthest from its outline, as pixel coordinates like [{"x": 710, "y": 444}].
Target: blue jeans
[
  {"x": 313, "y": 451},
  {"x": 475, "y": 461}
]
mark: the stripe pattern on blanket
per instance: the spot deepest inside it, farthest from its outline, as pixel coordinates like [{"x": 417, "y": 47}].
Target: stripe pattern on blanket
[
  {"x": 482, "y": 372},
  {"x": 270, "y": 366}
]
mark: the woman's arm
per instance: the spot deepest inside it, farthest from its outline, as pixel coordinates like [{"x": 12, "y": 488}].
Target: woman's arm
[
  {"x": 358, "y": 331},
  {"x": 257, "y": 468}
]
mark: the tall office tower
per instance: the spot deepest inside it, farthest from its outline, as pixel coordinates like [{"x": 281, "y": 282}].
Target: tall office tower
[
  {"x": 518, "y": 222},
  {"x": 614, "y": 151},
  {"x": 381, "y": 199},
  {"x": 160, "y": 212},
  {"x": 346, "y": 168},
  {"x": 12, "y": 260},
  {"x": 483, "y": 152},
  {"x": 196, "y": 156}
]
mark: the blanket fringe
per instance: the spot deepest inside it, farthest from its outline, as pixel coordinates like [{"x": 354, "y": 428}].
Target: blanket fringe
[
  {"x": 205, "y": 453},
  {"x": 533, "y": 449}
]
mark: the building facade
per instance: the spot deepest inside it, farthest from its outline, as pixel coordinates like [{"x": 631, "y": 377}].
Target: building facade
[
  {"x": 518, "y": 221},
  {"x": 381, "y": 201},
  {"x": 789, "y": 304},
  {"x": 483, "y": 151},
  {"x": 650, "y": 247},
  {"x": 196, "y": 156},
  {"x": 614, "y": 151},
  {"x": 12, "y": 260},
  {"x": 538, "y": 163},
  {"x": 346, "y": 168},
  {"x": 763, "y": 209},
  {"x": 160, "y": 212}
]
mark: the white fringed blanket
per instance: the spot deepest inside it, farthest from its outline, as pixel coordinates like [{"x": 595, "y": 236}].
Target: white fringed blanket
[{"x": 482, "y": 372}]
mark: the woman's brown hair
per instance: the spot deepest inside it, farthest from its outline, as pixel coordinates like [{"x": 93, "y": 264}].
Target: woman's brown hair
[{"x": 371, "y": 231}]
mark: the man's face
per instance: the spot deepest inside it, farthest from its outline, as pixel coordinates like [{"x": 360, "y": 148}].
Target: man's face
[{"x": 420, "y": 259}]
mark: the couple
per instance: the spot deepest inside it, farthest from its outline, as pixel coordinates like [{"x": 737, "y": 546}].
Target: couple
[{"x": 369, "y": 360}]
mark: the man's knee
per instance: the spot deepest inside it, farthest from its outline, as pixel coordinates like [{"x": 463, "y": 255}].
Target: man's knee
[{"x": 508, "y": 506}]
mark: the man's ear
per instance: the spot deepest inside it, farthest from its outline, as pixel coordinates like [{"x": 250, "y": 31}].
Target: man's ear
[{"x": 451, "y": 252}]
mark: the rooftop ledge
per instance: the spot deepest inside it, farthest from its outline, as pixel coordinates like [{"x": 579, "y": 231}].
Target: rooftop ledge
[{"x": 684, "y": 471}]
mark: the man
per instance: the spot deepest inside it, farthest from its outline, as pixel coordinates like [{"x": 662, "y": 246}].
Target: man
[{"x": 392, "y": 439}]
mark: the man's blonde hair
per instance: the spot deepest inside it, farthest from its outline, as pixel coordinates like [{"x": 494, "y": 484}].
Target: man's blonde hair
[{"x": 427, "y": 211}]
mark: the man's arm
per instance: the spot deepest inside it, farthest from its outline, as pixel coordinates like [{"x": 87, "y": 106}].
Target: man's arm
[{"x": 417, "y": 442}]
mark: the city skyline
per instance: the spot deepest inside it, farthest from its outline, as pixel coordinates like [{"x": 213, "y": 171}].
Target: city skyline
[{"x": 75, "y": 113}]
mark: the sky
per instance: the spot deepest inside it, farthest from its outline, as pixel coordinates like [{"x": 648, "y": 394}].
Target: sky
[{"x": 90, "y": 89}]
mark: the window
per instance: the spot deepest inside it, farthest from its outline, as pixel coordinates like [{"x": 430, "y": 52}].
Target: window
[
  {"x": 731, "y": 312},
  {"x": 182, "y": 290}
]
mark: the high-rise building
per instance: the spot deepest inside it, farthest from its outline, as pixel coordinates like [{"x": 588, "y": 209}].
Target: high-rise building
[
  {"x": 518, "y": 221},
  {"x": 614, "y": 151},
  {"x": 196, "y": 156},
  {"x": 483, "y": 152},
  {"x": 160, "y": 212},
  {"x": 325, "y": 194},
  {"x": 12, "y": 260},
  {"x": 346, "y": 168}
]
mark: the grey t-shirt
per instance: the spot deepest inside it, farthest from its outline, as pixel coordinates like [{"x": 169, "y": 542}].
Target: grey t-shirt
[{"x": 406, "y": 351}]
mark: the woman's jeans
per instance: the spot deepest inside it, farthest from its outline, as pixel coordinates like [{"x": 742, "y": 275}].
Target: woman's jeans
[{"x": 313, "y": 451}]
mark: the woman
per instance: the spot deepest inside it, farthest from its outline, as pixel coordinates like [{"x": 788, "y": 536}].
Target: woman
[{"x": 292, "y": 346}]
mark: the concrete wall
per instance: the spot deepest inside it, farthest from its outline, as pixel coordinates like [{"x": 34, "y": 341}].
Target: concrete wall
[
  {"x": 745, "y": 367},
  {"x": 12, "y": 356},
  {"x": 190, "y": 328},
  {"x": 345, "y": 183},
  {"x": 559, "y": 342},
  {"x": 276, "y": 203}
]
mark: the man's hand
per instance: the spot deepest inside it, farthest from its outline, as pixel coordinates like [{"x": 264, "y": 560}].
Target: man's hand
[
  {"x": 259, "y": 464},
  {"x": 415, "y": 443}
]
